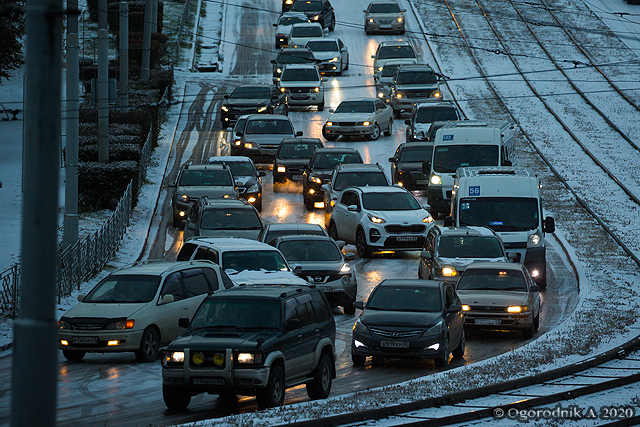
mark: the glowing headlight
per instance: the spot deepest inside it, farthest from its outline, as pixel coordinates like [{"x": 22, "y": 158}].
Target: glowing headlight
[
  {"x": 427, "y": 219},
  {"x": 278, "y": 70},
  {"x": 315, "y": 18},
  {"x": 261, "y": 109},
  {"x": 282, "y": 90},
  {"x": 380, "y": 95},
  {"x": 400, "y": 19},
  {"x": 316, "y": 89},
  {"x": 329, "y": 124},
  {"x": 237, "y": 142},
  {"x": 375, "y": 219},
  {"x": 535, "y": 273},
  {"x": 248, "y": 145},
  {"x": 371, "y": 20},
  {"x": 334, "y": 59},
  {"x": 435, "y": 329},
  {"x": 175, "y": 356},
  {"x": 183, "y": 198},
  {"x": 534, "y": 239},
  {"x": 249, "y": 357},
  {"x": 345, "y": 268},
  {"x": 514, "y": 309},
  {"x": 436, "y": 94},
  {"x": 225, "y": 109},
  {"x": 197, "y": 358},
  {"x": 332, "y": 203},
  {"x": 63, "y": 325},
  {"x": 398, "y": 95},
  {"x": 316, "y": 180},
  {"x": 465, "y": 307},
  {"x": 281, "y": 169},
  {"x": 436, "y": 180},
  {"x": 367, "y": 123},
  {"x": 449, "y": 271},
  {"x": 288, "y": 2},
  {"x": 379, "y": 68}
]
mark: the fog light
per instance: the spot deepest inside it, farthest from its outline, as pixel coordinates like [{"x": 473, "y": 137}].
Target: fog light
[
  {"x": 318, "y": 205},
  {"x": 182, "y": 213},
  {"x": 251, "y": 199},
  {"x": 198, "y": 358},
  {"x": 465, "y": 307},
  {"x": 346, "y": 280},
  {"x": 358, "y": 343},
  {"x": 64, "y": 342},
  {"x": 112, "y": 342},
  {"x": 312, "y": 191},
  {"x": 282, "y": 169},
  {"x": 435, "y": 346},
  {"x": 218, "y": 359},
  {"x": 535, "y": 273}
]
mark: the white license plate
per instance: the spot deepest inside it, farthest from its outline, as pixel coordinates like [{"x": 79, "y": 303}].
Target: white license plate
[
  {"x": 394, "y": 344},
  {"x": 422, "y": 181},
  {"x": 297, "y": 177},
  {"x": 488, "y": 322},
  {"x": 348, "y": 129},
  {"x": 407, "y": 239},
  {"x": 84, "y": 340},
  {"x": 208, "y": 381}
]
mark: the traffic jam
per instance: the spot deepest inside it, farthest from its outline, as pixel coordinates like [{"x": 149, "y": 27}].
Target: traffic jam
[{"x": 249, "y": 306}]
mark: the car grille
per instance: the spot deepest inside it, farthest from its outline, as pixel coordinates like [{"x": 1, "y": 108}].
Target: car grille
[
  {"x": 515, "y": 245},
  {"x": 397, "y": 334},
  {"x": 418, "y": 93},
  {"x": 320, "y": 278},
  {"x": 208, "y": 360},
  {"x": 385, "y": 21},
  {"x": 418, "y": 175},
  {"x": 91, "y": 324},
  {"x": 299, "y": 90},
  {"x": 295, "y": 170},
  {"x": 346, "y": 124},
  {"x": 396, "y": 228},
  {"x": 487, "y": 309},
  {"x": 88, "y": 327},
  {"x": 238, "y": 110}
]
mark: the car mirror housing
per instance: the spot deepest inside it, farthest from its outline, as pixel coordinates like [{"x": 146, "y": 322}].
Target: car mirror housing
[
  {"x": 299, "y": 133},
  {"x": 340, "y": 243},
  {"x": 358, "y": 304},
  {"x": 549, "y": 225},
  {"x": 350, "y": 256},
  {"x": 262, "y": 173},
  {"x": 392, "y": 159},
  {"x": 325, "y": 188},
  {"x": 407, "y": 122},
  {"x": 534, "y": 288},
  {"x": 292, "y": 325},
  {"x": 426, "y": 168},
  {"x": 166, "y": 299},
  {"x": 448, "y": 221},
  {"x": 183, "y": 322},
  {"x": 192, "y": 226},
  {"x": 81, "y": 297},
  {"x": 352, "y": 208},
  {"x": 297, "y": 268},
  {"x": 425, "y": 254},
  {"x": 454, "y": 308}
]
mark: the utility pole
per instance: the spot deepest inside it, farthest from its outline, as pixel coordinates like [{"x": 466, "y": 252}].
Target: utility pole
[
  {"x": 35, "y": 354},
  {"x": 124, "y": 58},
  {"x": 146, "y": 41},
  {"x": 70, "y": 224},
  {"x": 103, "y": 83},
  {"x": 154, "y": 17}
]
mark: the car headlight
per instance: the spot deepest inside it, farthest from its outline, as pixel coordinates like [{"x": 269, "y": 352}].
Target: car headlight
[
  {"x": 366, "y": 123},
  {"x": 281, "y": 169},
  {"x": 346, "y": 280},
  {"x": 173, "y": 357},
  {"x": 535, "y": 239},
  {"x": 315, "y": 179},
  {"x": 379, "y": 68},
  {"x": 254, "y": 188},
  {"x": 316, "y": 17},
  {"x": 237, "y": 142},
  {"x": 288, "y": 2},
  {"x": 334, "y": 59},
  {"x": 380, "y": 95},
  {"x": 427, "y": 219},
  {"x": 345, "y": 268},
  {"x": 283, "y": 90},
  {"x": 436, "y": 94},
  {"x": 249, "y": 358},
  {"x": 121, "y": 325},
  {"x": 465, "y": 307},
  {"x": 370, "y": 20},
  {"x": 435, "y": 329},
  {"x": 329, "y": 124},
  {"x": 517, "y": 309},
  {"x": 398, "y": 95},
  {"x": 449, "y": 271},
  {"x": 183, "y": 198},
  {"x": 360, "y": 328},
  {"x": 436, "y": 180},
  {"x": 225, "y": 109},
  {"x": 64, "y": 325},
  {"x": 316, "y": 89},
  {"x": 375, "y": 219},
  {"x": 248, "y": 145},
  {"x": 400, "y": 19},
  {"x": 261, "y": 109},
  {"x": 278, "y": 70}
]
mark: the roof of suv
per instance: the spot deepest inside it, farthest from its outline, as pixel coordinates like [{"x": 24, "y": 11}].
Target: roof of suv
[
  {"x": 306, "y": 237},
  {"x": 228, "y": 159},
  {"x": 264, "y": 291},
  {"x": 412, "y": 282},
  {"x": 205, "y": 167},
  {"x": 336, "y": 150},
  {"x": 466, "y": 231},
  {"x": 359, "y": 167},
  {"x": 414, "y": 67},
  {"x": 230, "y": 243},
  {"x": 379, "y": 189},
  {"x": 158, "y": 267},
  {"x": 395, "y": 43},
  {"x": 301, "y": 140},
  {"x": 222, "y": 203},
  {"x": 496, "y": 266},
  {"x": 435, "y": 104},
  {"x": 268, "y": 117},
  {"x": 298, "y": 226},
  {"x": 301, "y": 66}
]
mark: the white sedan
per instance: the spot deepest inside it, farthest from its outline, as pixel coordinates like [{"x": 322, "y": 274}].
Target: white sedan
[
  {"x": 331, "y": 53},
  {"x": 303, "y": 32},
  {"x": 359, "y": 117},
  {"x": 284, "y": 24}
]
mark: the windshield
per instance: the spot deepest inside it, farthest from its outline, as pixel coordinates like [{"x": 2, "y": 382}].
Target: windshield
[
  {"x": 359, "y": 179},
  {"x": 389, "y": 70},
  {"x": 205, "y": 177},
  {"x": 331, "y": 160},
  {"x": 297, "y": 151},
  {"x": 416, "y": 154},
  {"x": 306, "y": 31},
  {"x": 239, "y": 168},
  {"x": 390, "y": 201},
  {"x": 300, "y": 74},
  {"x": 448, "y": 158},
  {"x": 304, "y": 6},
  {"x": 355, "y": 107},
  {"x": 469, "y": 247},
  {"x": 238, "y": 313},
  {"x": 239, "y": 125},
  {"x": 302, "y": 57},
  {"x": 405, "y": 298},
  {"x": 416, "y": 78},
  {"x": 500, "y": 213},
  {"x": 492, "y": 279},
  {"x": 290, "y": 20},
  {"x": 387, "y": 52},
  {"x": 274, "y": 234},
  {"x": 230, "y": 219},
  {"x": 436, "y": 114},
  {"x": 269, "y": 127},
  {"x": 124, "y": 288},
  {"x": 310, "y": 250},
  {"x": 323, "y": 46},
  {"x": 268, "y": 260},
  {"x": 250, "y": 92},
  {"x": 384, "y": 8}
]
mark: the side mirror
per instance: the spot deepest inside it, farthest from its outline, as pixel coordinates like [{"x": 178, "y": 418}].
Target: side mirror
[
  {"x": 229, "y": 129},
  {"x": 226, "y": 96},
  {"x": 183, "y": 322},
  {"x": 403, "y": 10},
  {"x": 297, "y": 268},
  {"x": 350, "y": 256},
  {"x": 166, "y": 299},
  {"x": 359, "y": 305},
  {"x": 292, "y": 325},
  {"x": 344, "y": 49},
  {"x": 299, "y": 133},
  {"x": 392, "y": 159},
  {"x": 352, "y": 208},
  {"x": 364, "y": 11},
  {"x": 454, "y": 308},
  {"x": 275, "y": 25},
  {"x": 192, "y": 226},
  {"x": 273, "y": 61},
  {"x": 262, "y": 173},
  {"x": 534, "y": 288},
  {"x": 341, "y": 243},
  {"x": 426, "y": 206},
  {"x": 425, "y": 255},
  {"x": 373, "y": 56},
  {"x": 81, "y": 297},
  {"x": 324, "y": 79},
  {"x": 407, "y": 122},
  {"x": 239, "y": 134},
  {"x": 426, "y": 168},
  {"x": 331, "y": 110},
  {"x": 325, "y": 188},
  {"x": 549, "y": 225},
  {"x": 448, "y": 221},
  {"x": 512, "y": 256}
]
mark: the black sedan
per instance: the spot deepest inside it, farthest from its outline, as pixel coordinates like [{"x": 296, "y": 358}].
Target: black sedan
[
  {"x": 406, "y": 165},
  {"x": 409, "y": 318},
  {"x": 252, "y": 99},
  {"x": 292, "y": 156}
]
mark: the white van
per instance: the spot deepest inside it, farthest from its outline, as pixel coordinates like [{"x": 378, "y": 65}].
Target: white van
[
  {"x": 461, "y": 144},
  {"x": 507, "y": 200}
]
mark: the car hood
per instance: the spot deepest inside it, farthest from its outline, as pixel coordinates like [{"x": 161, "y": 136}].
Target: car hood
[
  {"x": 350, "y": 117},
  {"x": 246, "y": 102},
  {"x": 298, "y": 41},
  {"x": 402, "y": 217},
  {"x": 410, "y": 166},
  {"x": 243, "y": 181},
  {"x": 104, "y": 310},
  {"x": 293, "y": 162},
  {"x": 215, "y": 339},
  {"x": 247, "y": 234},
  {"x": 212, "y": 192},
  {"x": 262, "y": 138},
  {"x": 248, "y": 277},
  {"x": 310, "y": 268},
  {"x": 324, "y": 56},
  {"x": 492, "y": 298},
  {"x": 416, "y": 86},
  {"x": 383, "y": 15},
  {"x": 399, "y": 318},
  {"x": 322, "y": 173},
  {"x": 283, "y": 29},
  {"x": 461, "y": 264},
  {"x": 300, "y": 83}
]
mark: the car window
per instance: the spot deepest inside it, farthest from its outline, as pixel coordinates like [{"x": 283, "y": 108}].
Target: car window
[
  {"x": 302, "y": 150},
  {"x": 239, "y": 168},
  {"x": 306, "y": 31},
  {"x": 300, "y": 74},
  {"x": 305, "y": 310},
  {"x": 206, "y": 177},
  {"x": 212, "y": 278},
  {"x": 380, "y": 105},
  {"x": 405, "y": 298},
  {"x": 413, "y": 77},
  {"x": 355, "y": 107},
  {"x": 430, "y": 242},
  {"x": 124, "y": 288},
  {"x": 448, "y": 158},
  {"x": 469, "y": 247},
  {"x": 449, "y": 297},
  {"x": 348, "y": 198},
  {"x": 239, "y": 125},
  {"x": 306, "y": 5},
  {"x": 402, "y": 51},
  {"x": 250, "y": 92},
  {"x": 195, "y": 283},
  {"x": 310, "y": 250},
  {"x": 492, "y": 279},
  {"x": 173, "y": 286},
  {"x": 416, "y": 154},
  {"x": 290, "y": 310},
  {"x": 390, "y": 201},
  {"x": 186, "y": 251},
  {"x": 359, "y": 179},
  {"x": 296, "y": 57},
  {"x": 290, "y": 20},
  {"x": 272, "y": 235},
  {"x": 268, "y": 260},
  {"x": 226, "y": 281},
  {"x": 322, "y": 46},
  {"x": 331, "y": 160},
  {"x": 432, "y": 114},
  {"x": 384, "y": 8},
  {"x": 242, "y": 313},
  {"x": 208, "y": 254},
  {"x": 269, "y": 126},
  {"x": 321, "y": 306}
]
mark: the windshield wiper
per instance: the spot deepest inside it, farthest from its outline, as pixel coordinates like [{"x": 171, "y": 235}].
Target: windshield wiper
[{"x": 233, "y": 328}]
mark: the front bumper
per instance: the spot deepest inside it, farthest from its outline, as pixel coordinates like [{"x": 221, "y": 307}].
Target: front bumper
[
  {"x": 363, "y": 345},
  {"x": 305, "y": 99},
  {"x": 378, "y": 238},
  {"x": 126, "y": 341},
  {"x": 412, "y": 180},
  {"x": 384, "y": 26},
  {"x": 476, "y": 318},
  {"x": 258, "y": 154},
  {"x": 255, "y": 198},
  {"x": 340, "y": 130},
  {"x": 336, "y": 292}
]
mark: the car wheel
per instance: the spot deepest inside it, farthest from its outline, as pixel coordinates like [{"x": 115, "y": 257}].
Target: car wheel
[
  {"x": 149, "y": 346},
  {"x": 397, "y": 114},
  {"x": 528, "y": 332},
  {"x": 308, "y": 204},
  {"x": 333, "y": 23},
  {"x": 459, "y": 351},
  {"x": 389, "y": 130},
  {"x": 361, "y": 245},
  {"x": 349, "y": 308},
  {"x": 443, "y": 360},
  {"x": 358, "y": 360},
  {"x": 176, "y": 222},
  {"x": 339, "y": 72},
  {"x": 333, "y": 231},
  {"x": 376, "y": 133},
  {"x": 328, "y": 136},
  {"x": 73, "y": 356},
  {"x": 259, "y": 206},
  {"x": 175, "y": 397},
  {"x": 321, "y": 106},
  {"x": 346, "y": 67},
  {"x": 273, "y": 394},
  {"x": 320, "y": 386}
]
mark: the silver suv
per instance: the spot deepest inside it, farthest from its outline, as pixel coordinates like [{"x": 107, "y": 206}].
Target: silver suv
[
  {"x": 413, "y": 83},
  {"x": 262, "y": 135},
  {"x": 302, "y": 85}
]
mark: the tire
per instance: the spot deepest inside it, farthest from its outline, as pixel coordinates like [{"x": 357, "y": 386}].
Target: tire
[
  {"x": 286, "y": 110},
  {"x": 459, "y": 351},
  {"x": 333, "y": 231},
  {"x": 73, "y": 356},
  {"x": 389, "y": 130},
  {"x": 308, "y": 204},
  {"x": 358, "y": 360},
  {"x": 361, "y": 245},
  {"x": 320, "y": 386},
  {"x": 528, "y": 333},
  {"x": 175, "y": 397},
  {"x": 321, "y": 106},
  {"x": 346, "y": 67},
  {"x": 177, "y": 222},
  {"x": 339, "y": 72},
  {"x": 349, "y": 308},
  {"x": 333, "y": 23},
  {"x": 397, "y": 114},
  {"x": 328, "y": 136},
  {"x": 376, "y": 133},
  {"x": 273, "y": 394},
  {"x": 443, "y": 360},
  {"x": 149, "y": 346}
]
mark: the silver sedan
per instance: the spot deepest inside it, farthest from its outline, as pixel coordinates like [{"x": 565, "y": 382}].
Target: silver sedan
[
  {"x": 359, "y": 117},
  {"x": 384, "y": 16}
]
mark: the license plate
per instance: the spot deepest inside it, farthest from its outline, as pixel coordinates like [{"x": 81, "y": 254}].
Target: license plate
[
  {"x": 407, "y": 238},
  {"x": 84, "y": 340},
  {"x": 208, "y": 381},
  {"x": 348, "y": 129},
  {"x": 488, "y": 322},
  {"x": 299, "y": 97},
  {"x": 394, "y": 344},
  {"x": 297, "y": 177},
  {"x": 422, "y": 181},
  {"x": 327, "y": 288}
]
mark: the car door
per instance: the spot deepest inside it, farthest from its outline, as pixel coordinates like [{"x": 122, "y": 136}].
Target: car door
[
  {"x": 455, "y": 321},
  {"x": 383, "y": 114},
  {"x": 426, "y": 265},
  {"x": 196, "y": 288},
  {"x": 168, "y": 314},
  {"x": 343, "y": 217},
  {"x": 291, "y": 341},
  {"x": 344, "y": 55},
  {"x": 310, "y": 332},
  {"x": 352, "y": 218}
]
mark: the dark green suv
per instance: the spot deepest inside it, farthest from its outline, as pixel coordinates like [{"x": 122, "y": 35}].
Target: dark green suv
[{"x": 253, "y": 340}]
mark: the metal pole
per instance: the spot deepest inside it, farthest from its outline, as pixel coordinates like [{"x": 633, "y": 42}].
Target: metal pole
[
  {"x": 154, "y": 17},
  {"x": 70, "y": 225},
  {"x": 103, "y": 97},
  {"x": 34, "y": 380},
  {"x": 146, "y": 41},
  {"x": 124, "y": 57}
]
